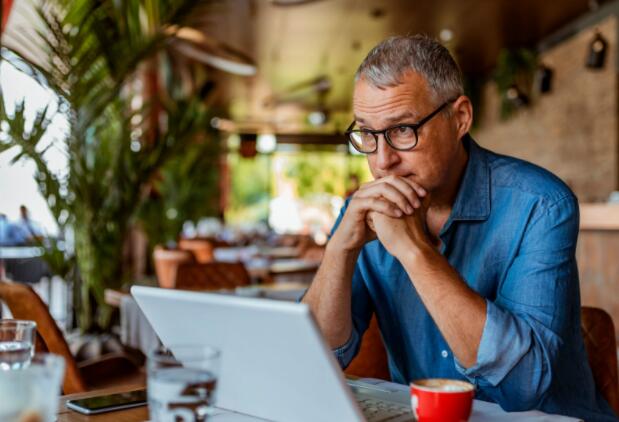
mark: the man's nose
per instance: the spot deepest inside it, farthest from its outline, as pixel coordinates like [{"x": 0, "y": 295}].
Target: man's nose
[{"x": 386, "y": 157}]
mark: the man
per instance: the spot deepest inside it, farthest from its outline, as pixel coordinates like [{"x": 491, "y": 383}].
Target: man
[
  {"x": 10, "y": 234},
  {"x": 26, "y": 230},
  {"x": 466, "y": 257},
  {"x": 5, "y": 231}
]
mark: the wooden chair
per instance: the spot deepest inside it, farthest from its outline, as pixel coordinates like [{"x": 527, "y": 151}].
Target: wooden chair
[
  {"x": 107, "y": 370},
  {"x": 371, "y": 361},
  {"x": 211, "y": 276},
  {"x": 202, "y": 249},
  {"x": 166, "y": 263},
  {"x": 598, "y": 332}
]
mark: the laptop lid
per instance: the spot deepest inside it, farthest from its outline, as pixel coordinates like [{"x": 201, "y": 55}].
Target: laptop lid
[{"x": 275, "y": 364}]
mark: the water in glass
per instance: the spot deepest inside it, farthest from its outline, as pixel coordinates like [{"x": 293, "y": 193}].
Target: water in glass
[{"x": 182, "y": 386}]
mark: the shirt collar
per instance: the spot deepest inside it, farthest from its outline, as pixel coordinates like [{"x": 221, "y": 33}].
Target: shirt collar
[{"x": 473, "y": 199}]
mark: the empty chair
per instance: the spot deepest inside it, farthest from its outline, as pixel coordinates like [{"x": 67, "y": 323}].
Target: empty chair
[
  {"x": 598, "y": 332},
  {"x": 107, "y": 370},
  {"x": 371, "y": 361},
  {"x": 202, "y": 249},
  {"x": 166, "y": 262},
  {"x": 211, "y": 276}
]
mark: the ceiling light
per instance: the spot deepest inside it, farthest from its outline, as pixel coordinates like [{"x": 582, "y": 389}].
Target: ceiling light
[
  {"x": 202, "y": 47},
  {"x": 267, "y": 142},
  {"x": 317, "y": 118},
  {"x": 241, "y": 69},
  {"x": 516, "y": 97},
  {"x": 597, "y": 52},
  {"x": 188, "y": 34},
  {"x": 446, "y": 35}
]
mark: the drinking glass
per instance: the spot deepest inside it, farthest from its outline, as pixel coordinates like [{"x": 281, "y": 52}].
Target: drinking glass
[
  {"x": 31, "y": 392},
  {"x": 181, "y": 383},
  {"x": 16, "y": 343}
]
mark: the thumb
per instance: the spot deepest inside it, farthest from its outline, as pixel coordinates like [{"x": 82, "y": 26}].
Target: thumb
[
  {"x": 417, "y": 221},
  {"x": 425, "y": 204},
  {"x": 369, "y": 221}
]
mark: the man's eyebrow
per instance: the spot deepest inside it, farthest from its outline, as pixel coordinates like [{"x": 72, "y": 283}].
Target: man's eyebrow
[{"x": 394, "y": 119}]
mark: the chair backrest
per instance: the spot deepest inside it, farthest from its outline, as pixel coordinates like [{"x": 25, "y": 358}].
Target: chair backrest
[
  {"x": 211, "y": 276},
  {"x": 598, "y": 332},
  {"x": 202, "y": 249},
  {"x": 25, "y": 303},
  {"x": 371, "y": 361},
  {"x": 166, "y": 262}
]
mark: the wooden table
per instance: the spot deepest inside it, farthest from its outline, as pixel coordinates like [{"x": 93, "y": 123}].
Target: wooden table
[
  {"x": 280, "y": 252},
  {"x": 482, "y": 411},
  {"x": 279, "y": 269},
  {"x": 293, "y": 266},
  {"x": 136, "y": 414}
]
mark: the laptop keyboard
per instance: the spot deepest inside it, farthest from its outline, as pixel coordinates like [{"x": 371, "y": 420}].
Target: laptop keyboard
[{"x": 382, "y": 411}]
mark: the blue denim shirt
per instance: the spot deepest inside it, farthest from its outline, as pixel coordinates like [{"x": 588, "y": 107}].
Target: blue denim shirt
[{"x": 511, "y": 236}]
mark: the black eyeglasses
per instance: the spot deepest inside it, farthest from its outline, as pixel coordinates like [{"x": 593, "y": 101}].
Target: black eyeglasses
[{"x": 399, "y": 137}]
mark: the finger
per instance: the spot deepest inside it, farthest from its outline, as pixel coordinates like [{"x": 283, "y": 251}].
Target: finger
[
  {"x": 409, "y": 189},
  {"x": 393, "y": 194},
  {"x": 380, "y": 205},
  {"x": 416, "y": 186},
  {"x": 369, "y": 221}
]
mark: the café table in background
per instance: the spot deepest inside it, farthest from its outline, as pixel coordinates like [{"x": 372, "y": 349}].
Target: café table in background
[
  {"x": 270, "y": 264},
  {"x": 23, "y": 263},
  {"x": 136, "y": 331}
]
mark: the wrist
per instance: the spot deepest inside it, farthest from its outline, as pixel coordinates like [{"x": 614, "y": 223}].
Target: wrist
[
  {"x": 341, "y": 250},
  {"x": 339, "y": 244},
  {"x": 409, "y": 251}
]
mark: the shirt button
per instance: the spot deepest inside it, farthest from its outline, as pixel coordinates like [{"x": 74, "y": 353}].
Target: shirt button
[{"x": 444, "y": 353}]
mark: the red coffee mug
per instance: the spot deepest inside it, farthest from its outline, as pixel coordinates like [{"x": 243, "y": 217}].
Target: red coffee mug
[{"x": 442, "y": 400}]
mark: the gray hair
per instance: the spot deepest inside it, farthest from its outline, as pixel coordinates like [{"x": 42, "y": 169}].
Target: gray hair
[{"x": 389, "y": 61}]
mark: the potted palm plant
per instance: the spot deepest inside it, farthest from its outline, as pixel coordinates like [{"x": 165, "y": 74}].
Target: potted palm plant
[{"x": 125, "y": 122}]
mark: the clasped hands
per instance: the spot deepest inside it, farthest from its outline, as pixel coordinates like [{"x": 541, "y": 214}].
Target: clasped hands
[{"x": 392, "y": 209}]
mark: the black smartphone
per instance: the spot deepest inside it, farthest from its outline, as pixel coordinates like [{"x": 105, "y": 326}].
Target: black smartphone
[{"x": 108, "y": 403}]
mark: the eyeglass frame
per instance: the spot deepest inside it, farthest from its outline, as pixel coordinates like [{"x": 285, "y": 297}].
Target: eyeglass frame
[{"x": 414, "y": 126}]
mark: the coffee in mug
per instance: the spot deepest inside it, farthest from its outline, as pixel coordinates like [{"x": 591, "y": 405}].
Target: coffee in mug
[{"x": 444, "y": 400}]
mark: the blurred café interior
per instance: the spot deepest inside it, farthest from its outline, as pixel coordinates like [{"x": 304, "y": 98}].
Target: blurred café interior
[{"x": 199, "y": 145}]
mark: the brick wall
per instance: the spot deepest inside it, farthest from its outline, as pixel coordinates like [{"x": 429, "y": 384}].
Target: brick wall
[{"x": 573, "y": 130}]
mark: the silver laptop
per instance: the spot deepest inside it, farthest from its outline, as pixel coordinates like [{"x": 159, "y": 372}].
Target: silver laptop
[{"x": 275, "y": 363}]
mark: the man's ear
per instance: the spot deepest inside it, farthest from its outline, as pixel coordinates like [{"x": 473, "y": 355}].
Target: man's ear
[{"x": 463, "y": 115}]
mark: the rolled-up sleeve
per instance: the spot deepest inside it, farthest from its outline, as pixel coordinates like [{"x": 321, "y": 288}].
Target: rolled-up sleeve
[
  {"x": 345, "y": 353},
  {"x": 536, "y": 307}
]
